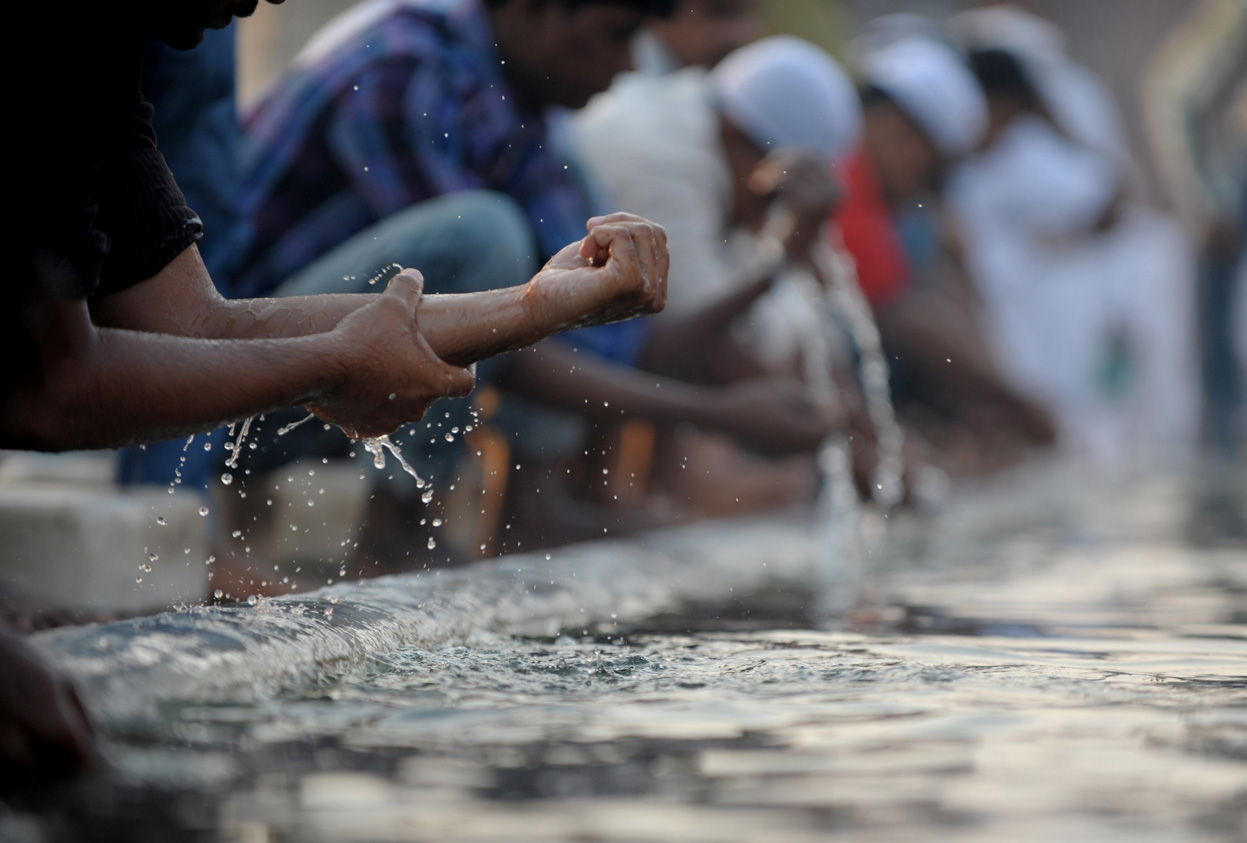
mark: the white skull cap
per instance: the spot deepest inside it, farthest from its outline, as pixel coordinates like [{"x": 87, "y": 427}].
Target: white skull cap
[
  {"x": 934, "y": 86},
  {"x": 1009, "y": 28},
  {"x": 786, "y": 92}
]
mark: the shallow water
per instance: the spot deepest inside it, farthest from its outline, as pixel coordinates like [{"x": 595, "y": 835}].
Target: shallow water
[{"x": 1048, "y": 660}]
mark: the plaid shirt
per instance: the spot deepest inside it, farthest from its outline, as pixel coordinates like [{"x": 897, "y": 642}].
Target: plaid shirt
[{"x": 411, "y": 106}]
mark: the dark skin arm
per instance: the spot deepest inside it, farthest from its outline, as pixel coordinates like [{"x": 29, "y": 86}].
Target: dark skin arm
[
  {"x": 618, "y": 271},
  {"x": 767, "y": 415},
  {"x": 104, "y": 387},
  {"x": 171, "y": 357}
]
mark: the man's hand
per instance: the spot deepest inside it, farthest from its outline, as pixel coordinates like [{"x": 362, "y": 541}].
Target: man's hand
[
  {"x": 801, "y": 184},
  {"x": 616, "y": 272},
  {"x": 389, "y": 375},
  {"x": 773, "y": 416}
]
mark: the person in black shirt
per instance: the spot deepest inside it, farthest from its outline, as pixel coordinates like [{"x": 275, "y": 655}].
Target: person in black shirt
[{"x": 121, "y": 336}]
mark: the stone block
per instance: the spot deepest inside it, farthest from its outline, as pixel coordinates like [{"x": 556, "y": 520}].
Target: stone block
[{"x": 102, "y": 549}]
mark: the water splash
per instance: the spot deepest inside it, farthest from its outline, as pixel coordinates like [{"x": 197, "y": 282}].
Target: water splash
[
  {"x": 235, "y": 447},
  {"x": 846, "y": 297},
  {"x": 283, "y": 431},
  {"x": 131, "y": 669},
  {"x": 379, "y": 445}
]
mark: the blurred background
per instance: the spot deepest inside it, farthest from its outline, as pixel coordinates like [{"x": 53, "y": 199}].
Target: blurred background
[{"x": 1115, "y": 39}]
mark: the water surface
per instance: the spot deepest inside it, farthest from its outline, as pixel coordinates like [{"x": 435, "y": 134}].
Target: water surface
[{"x": 1047, "y": 660}]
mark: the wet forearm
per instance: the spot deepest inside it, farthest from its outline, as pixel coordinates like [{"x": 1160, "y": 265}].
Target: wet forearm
[
  {"x": 560, "y": 377},
  {"x": 118, "y": 387}
]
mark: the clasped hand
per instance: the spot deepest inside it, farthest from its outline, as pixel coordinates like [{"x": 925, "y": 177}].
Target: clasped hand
[
  {"x": 619, "y": 270},
  {"x": 388, "y": 374}
]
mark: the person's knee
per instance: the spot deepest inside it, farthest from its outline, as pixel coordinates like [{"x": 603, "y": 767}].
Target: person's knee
[
  {"x": 493, "y": 240},
  {"x": 461, "y": 242}
]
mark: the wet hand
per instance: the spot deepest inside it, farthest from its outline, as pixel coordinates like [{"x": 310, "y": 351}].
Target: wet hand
[
  {"x": 803, "y": 186},
  {"x": 619, "y": 270},
  {"x": 388, "y": 373}
]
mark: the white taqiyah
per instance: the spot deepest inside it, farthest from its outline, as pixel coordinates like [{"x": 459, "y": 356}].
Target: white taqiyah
[
  {"x": 786, "y": 92},
  {"x": 934, "y": 86}
]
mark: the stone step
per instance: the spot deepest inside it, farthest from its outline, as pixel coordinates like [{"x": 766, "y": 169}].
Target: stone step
[{"x": 100, "y": 549}]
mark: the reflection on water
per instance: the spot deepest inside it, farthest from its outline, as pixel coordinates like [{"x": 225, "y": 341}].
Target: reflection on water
[{"x": 1029, "y": 668}]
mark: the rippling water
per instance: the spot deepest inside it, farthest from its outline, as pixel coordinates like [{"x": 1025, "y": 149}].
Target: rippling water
[{"x": 1046, "y": 661}]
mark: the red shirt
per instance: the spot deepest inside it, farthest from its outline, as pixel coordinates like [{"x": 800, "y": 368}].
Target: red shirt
[{"x": 870, "y": 236}]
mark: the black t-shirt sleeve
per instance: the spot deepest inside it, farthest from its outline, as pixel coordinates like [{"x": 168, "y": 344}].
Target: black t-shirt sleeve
[
  {"x": 142, "y": 212},
  {"x": 104, "y": 212}
]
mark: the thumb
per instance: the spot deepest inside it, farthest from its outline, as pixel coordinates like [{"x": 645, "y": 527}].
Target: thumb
[
  {"x": 408, "y": 287},
  {"x": 462, "y": 380}
]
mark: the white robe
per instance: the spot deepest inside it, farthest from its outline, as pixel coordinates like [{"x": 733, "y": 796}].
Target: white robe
[{"x": 1063, "y": 302}]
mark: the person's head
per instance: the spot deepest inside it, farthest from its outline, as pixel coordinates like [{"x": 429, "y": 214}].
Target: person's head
[
  {"x": 1010, "y": 92},
  {"x": 777, "y": 94},
  {"x": 923, "y": 110},
  {"x": 181, "y": 23},
  {"x": 703, "y": 32},
  {"x": 562, "y": 52}
]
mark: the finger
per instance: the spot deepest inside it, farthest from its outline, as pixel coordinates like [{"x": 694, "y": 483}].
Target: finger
[
  {"x": 456, "y": 381},
  {"x": 618, "y": 216},
  {"x": 611, "y": 239},
  {"x": 651, "y": 243},
  {"x": 408, "y": 287},
  {"x": 461, "y": 381}
]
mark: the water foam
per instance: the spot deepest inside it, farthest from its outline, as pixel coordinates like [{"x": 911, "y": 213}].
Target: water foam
[{"x": 129, "y": 670}]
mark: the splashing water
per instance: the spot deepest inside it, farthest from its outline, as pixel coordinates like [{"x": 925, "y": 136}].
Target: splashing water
[
  {"x": 283, "y": 431},
  {"x": 839, "y": 539},
  {"x": 235, "y": 448},
  {"x": 379, "y": 445},
  {"x": 846, "y": 297}
]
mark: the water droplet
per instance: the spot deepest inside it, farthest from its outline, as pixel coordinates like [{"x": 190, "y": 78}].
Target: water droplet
[
  {"x": 218, "y": 594},
  {"x": 237, "y": 534},
  {"x": 160, "y": 519},
  {"x": 432, "y": 542},
  {"x": 153, "y": 557},
  {"x": 437, "y": 522},
  {"x": 253, "y": 599},
  {"x": 227, "y": 478},
  {"x": 203, "y": 510}
]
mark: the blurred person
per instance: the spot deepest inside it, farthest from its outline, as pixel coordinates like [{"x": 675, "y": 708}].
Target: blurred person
[
  {"x": 405, "y": 125},
  {"x": 700, "y": 33},
  {"x": 924, "y": 111},
  {"x": 1195, "y": 105},
  {"x": 1086, "y": 293},
  {"x": 122, "y": 338},
  {"x": 716, "y": 154}
]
